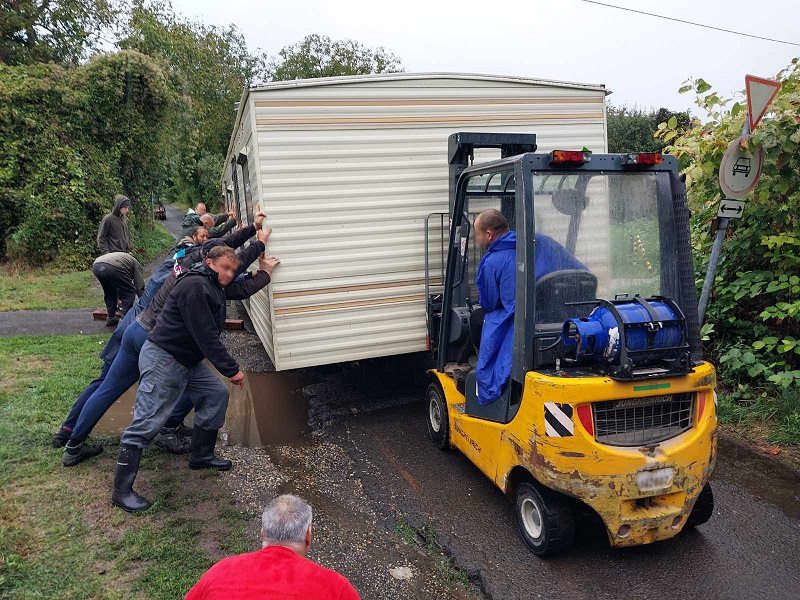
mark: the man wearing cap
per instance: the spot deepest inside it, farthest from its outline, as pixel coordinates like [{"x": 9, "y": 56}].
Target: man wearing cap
[{"x": 113, "y": 234}]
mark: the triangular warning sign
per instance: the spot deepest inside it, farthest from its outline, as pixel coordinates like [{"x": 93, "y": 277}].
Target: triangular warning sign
[{"x": 760, "y": 92}]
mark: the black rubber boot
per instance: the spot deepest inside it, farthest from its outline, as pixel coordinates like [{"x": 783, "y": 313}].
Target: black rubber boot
[
  {"x": 203, "y": 457},
  {"x": 111, "y": 321},
  {"x": 169, "y": 441},
  {"x": 74, "y": 455},
  {"x": 61, "y": 438},
  {"x": 127, "y": 467}
]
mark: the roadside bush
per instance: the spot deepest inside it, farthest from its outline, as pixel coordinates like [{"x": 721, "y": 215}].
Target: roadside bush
[
  {"x": 753, "y": 319},
  {"x": 70, "y": 139}
]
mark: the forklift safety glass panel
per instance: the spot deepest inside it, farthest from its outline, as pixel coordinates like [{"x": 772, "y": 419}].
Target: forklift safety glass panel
[
  {"x": 601, "y": 235},
  {"x": 493, "y": 190}
]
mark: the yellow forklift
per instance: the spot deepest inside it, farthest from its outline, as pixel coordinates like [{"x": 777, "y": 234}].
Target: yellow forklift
[{"x": 609, "y": 403}]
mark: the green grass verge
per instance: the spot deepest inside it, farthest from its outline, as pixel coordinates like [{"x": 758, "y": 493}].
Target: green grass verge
[
  {"x": 150, "y": 240},
  {"x": 59, "y": 535},
  {"x": 52, "y": 289},
  {"x": 47, "y": 289},
  {"x": 772, "y": 416}
]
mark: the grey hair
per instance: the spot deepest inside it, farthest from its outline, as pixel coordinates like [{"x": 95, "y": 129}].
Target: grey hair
[
  {"x": 286, "y": 519},
  {"x": 206, "y": 217}
]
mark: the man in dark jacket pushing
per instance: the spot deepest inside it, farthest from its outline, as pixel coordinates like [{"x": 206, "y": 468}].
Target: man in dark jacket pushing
[{"x": 170, "y": 363}]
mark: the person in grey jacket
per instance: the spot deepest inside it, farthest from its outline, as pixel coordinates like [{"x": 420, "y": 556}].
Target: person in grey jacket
[
  {"x": 122, "y": 279},
  {"x": 113, "y": 234}
]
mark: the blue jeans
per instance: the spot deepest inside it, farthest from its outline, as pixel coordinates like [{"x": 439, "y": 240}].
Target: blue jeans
[
  {"x": 108, "y": 354},
  {"x": 164, "y": 380},
  {"x": 123, "y": 374},
  {"x": 80, "y": 401}
]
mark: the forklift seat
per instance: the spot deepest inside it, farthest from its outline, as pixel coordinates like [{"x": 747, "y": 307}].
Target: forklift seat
[
  {"x": 476, "y": 326},
  {"x": 494, "y": 411}
]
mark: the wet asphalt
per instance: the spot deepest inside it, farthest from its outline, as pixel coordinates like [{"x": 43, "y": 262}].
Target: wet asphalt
[{"x": 749, "y": 549}]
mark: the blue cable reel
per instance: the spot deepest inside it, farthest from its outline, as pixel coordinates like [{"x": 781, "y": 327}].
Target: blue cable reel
[{"x": 629, "y": 338}]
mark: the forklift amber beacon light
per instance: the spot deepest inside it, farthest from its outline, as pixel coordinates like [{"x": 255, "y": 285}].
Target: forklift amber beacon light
[
  {"x": 643, "y": 159},
  {"x": 570, "y": 157}
]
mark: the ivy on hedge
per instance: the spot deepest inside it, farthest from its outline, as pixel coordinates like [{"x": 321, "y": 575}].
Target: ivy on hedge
[{"x": 70, "y": 139}]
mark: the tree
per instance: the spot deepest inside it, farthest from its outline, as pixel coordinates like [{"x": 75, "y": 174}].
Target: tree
[
  {"x": 632, "y": 129},
  {"x": 208, "y": 68},
  {"x": 320, "y": 56},
  {"x": 61, "y": 31},
  {"x": 70, "y": 139}
]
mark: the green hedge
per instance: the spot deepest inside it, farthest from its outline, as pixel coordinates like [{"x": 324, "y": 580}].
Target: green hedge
[
  {"x": 753, "y": 319},
  {"x": 70, "y": 139}
]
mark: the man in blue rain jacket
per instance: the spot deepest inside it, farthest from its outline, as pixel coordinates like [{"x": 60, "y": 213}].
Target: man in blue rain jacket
[
  {"x": 496, "y": 280},
  {"x": 496, "y": 291}
]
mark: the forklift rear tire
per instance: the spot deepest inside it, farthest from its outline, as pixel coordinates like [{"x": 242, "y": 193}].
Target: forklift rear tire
[
  {"x": 545, "y": 519},
  {"x": 703, "y": 508},
  {"x": 437, "y": 417}
]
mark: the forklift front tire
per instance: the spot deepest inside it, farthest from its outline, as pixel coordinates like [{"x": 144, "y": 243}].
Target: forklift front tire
[
  {"x": 703, "y": 508},
  {"x": 546, "y": 520},
  {"x": 438, "y": 418}
]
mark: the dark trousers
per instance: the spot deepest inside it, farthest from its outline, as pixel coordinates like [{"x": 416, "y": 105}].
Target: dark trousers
[
  {"x": 117, "y": 286},
  {"x": 162, "y": 382}
]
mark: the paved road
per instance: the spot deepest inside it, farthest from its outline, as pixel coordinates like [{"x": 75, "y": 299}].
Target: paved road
[
  {"x": 51, "y": 322},
  {"x": 748, "y": 550},
  {"x": 79, "y": 320},
  {"x": 173, "y": 221}
]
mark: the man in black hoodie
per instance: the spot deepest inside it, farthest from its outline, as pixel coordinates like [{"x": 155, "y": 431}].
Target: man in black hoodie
[
  {"x": 170, "y": 363},
  {"x": 113, "y": 235}
]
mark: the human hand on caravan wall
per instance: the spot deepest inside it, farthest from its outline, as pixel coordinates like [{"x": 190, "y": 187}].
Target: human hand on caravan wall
[
  {"x": 259, "y": 220},
  {"x": 262, "y": 235},
  {"x": 268, "y": 263}
]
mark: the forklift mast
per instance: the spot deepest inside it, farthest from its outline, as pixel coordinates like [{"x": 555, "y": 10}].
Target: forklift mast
[{"x": 461, "y": 150}]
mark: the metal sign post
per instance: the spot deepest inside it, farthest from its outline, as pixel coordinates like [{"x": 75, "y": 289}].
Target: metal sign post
[
  {"x": 738, "y": 175},
  {"x": 711, "y": 273}
]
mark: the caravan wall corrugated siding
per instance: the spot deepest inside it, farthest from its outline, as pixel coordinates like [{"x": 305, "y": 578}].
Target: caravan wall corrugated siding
[{"x": 347, "y": 174}]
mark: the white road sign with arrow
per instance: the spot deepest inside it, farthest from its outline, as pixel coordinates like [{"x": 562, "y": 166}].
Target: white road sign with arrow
[{"x": 731, "y": 209}]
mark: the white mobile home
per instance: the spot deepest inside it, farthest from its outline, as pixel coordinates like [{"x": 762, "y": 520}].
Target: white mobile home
[{"x": 347, "y": 170}]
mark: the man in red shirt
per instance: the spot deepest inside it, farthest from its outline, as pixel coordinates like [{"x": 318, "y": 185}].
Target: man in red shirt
[{"x": 280, "y": 569}]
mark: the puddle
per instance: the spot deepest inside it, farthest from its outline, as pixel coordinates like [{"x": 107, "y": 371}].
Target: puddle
[
  {"x": 268, "y": 409},
  {"x": 764, "y": 477},
  {"x": 119, "y": 416}
]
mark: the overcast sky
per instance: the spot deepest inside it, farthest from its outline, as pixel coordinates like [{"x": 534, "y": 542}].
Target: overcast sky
[{"x": 643, "y": 60}]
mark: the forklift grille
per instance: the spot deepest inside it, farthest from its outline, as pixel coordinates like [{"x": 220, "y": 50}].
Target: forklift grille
[{"x": 642, "y": 421}]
